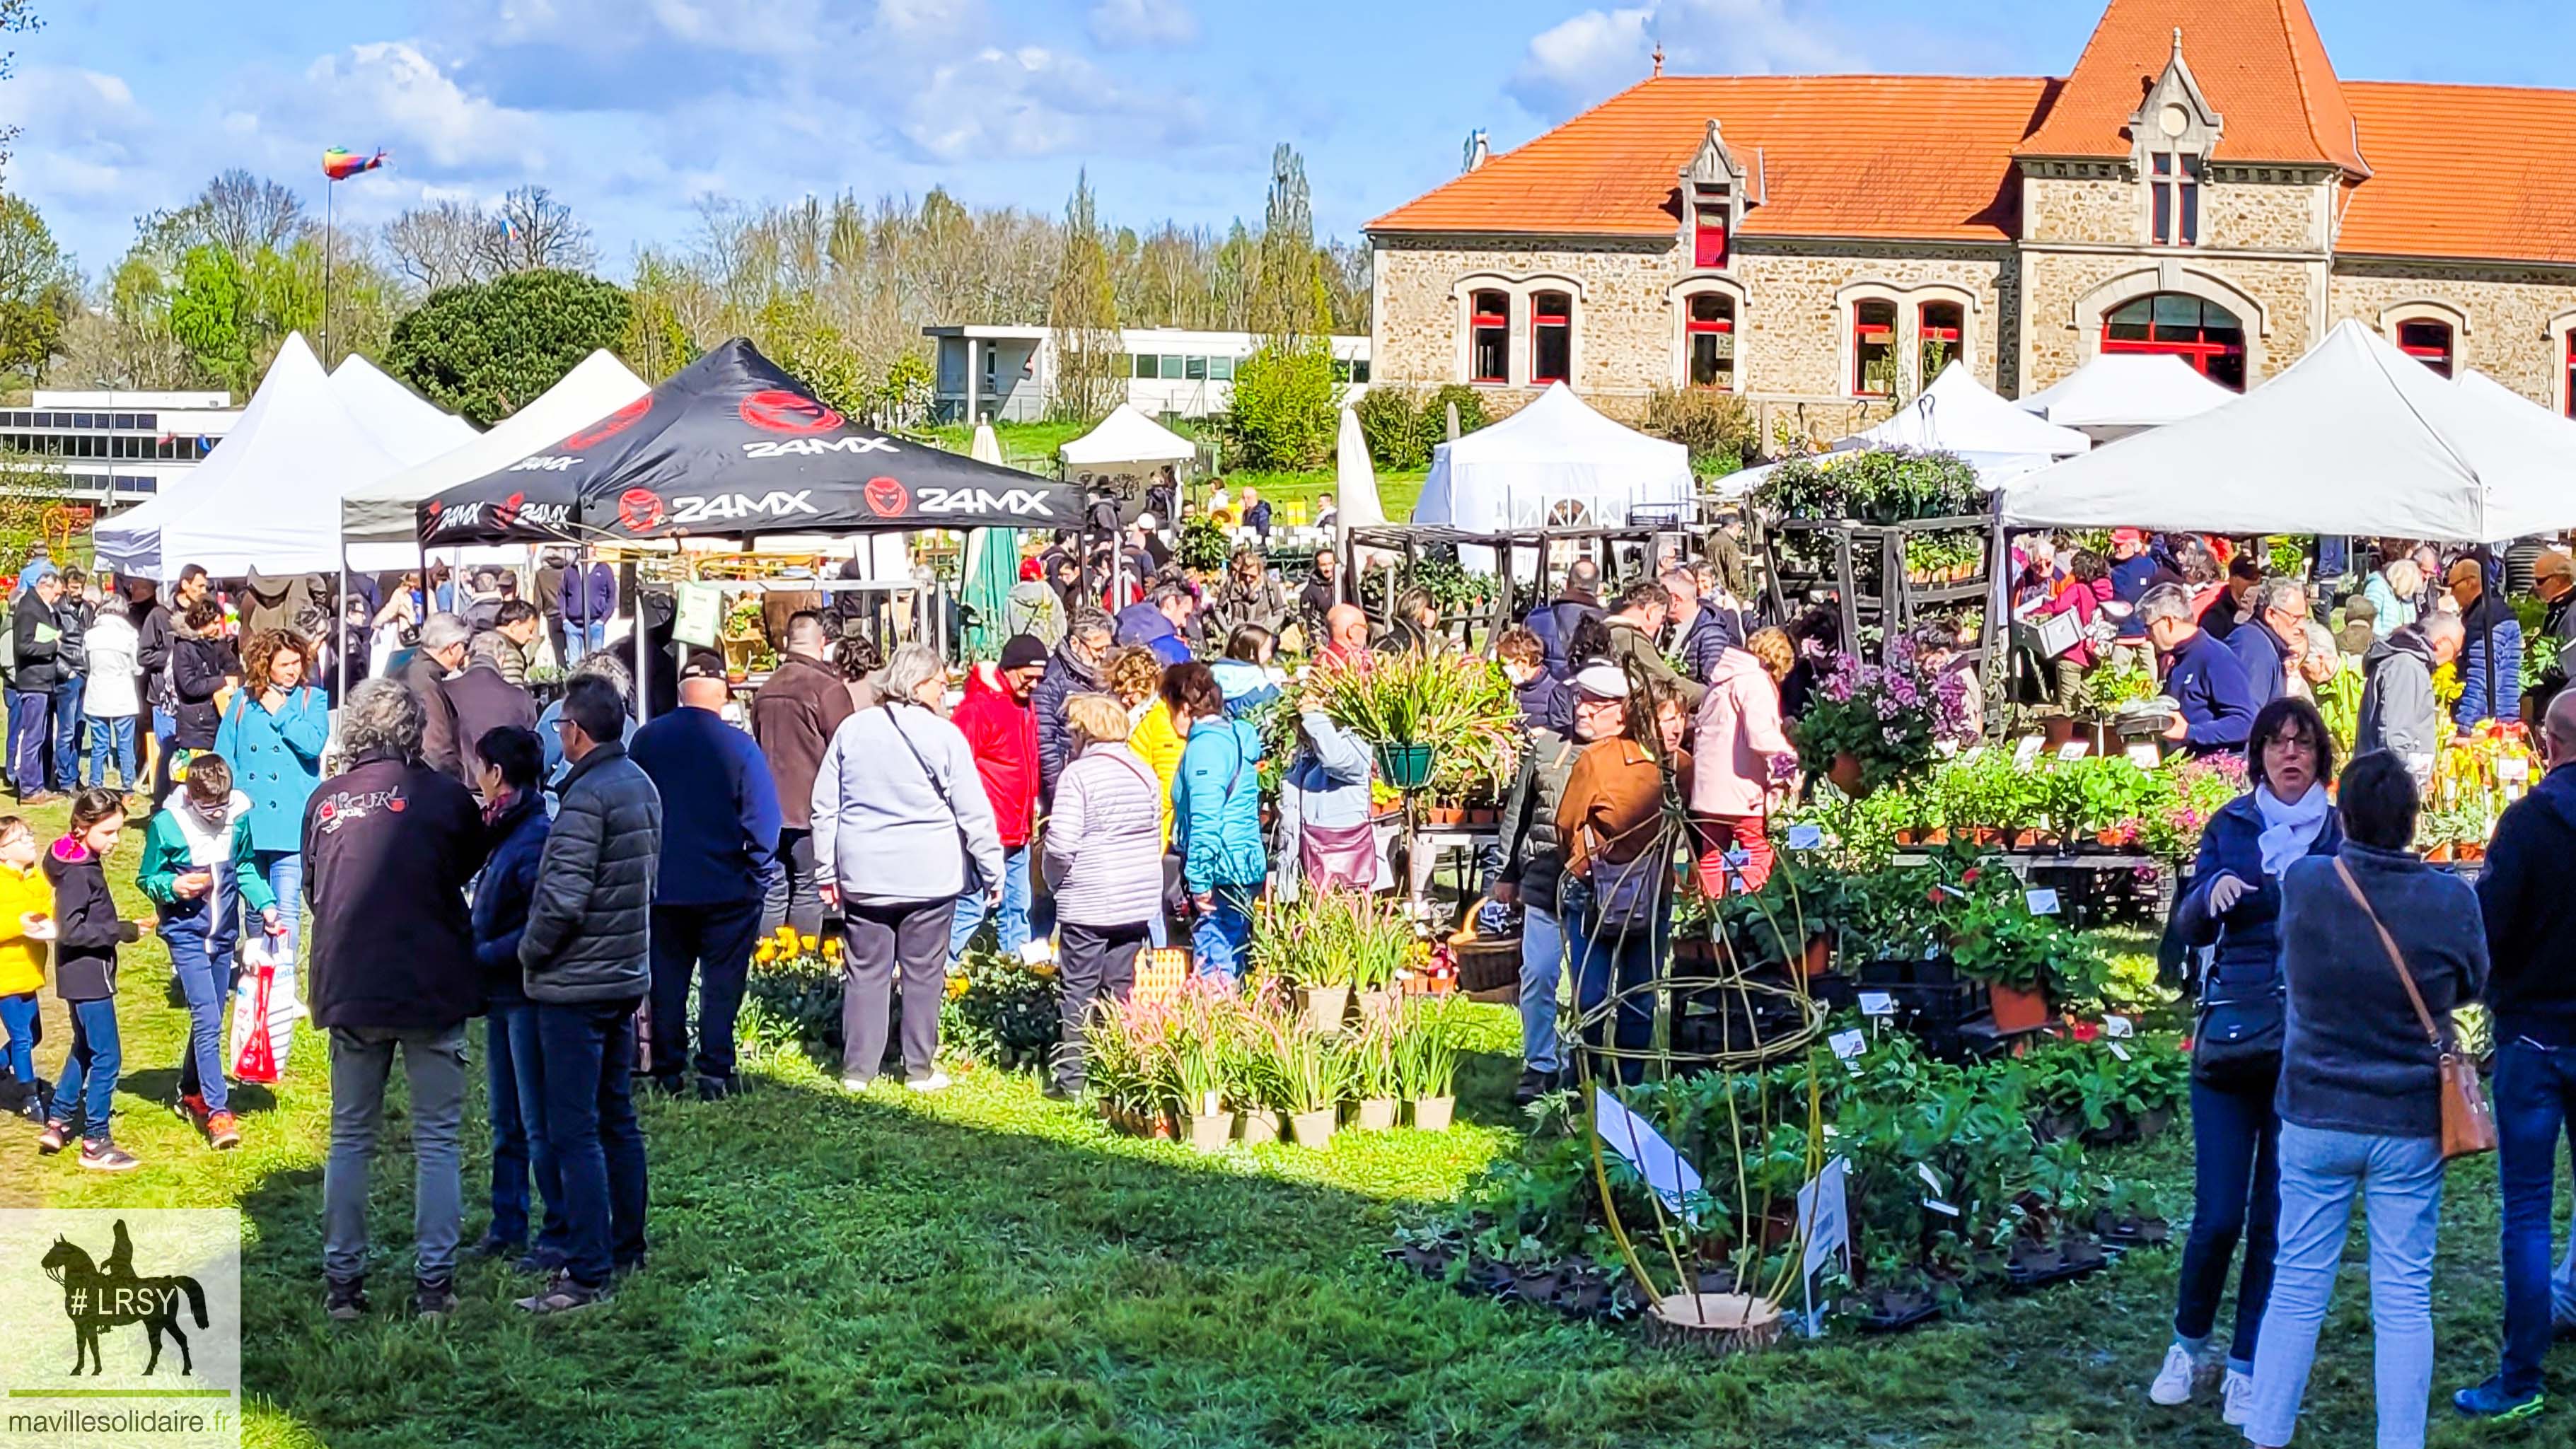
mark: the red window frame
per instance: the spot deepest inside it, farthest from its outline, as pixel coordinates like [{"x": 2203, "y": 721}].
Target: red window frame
[
  {"x": 2571, "y": 374},
  {"x": 1927, "y": 331},
  {"x": 2429, "y": 342},
  {"x": 1709, "y": 237},
  {"x": 1543, "y": 321},
  {"x": 1694, "y": 327},
  {"x": 1867, "y": 334},
  {"x": 2196, "y": 349},
  {"x": 1480, "y": 323}
]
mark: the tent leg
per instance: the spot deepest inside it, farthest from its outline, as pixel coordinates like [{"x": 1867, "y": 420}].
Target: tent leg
[{"x": 643, "y": 710}]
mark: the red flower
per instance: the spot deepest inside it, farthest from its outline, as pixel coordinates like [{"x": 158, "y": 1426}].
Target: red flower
[
  {"x": 1970, "y": 878},
  {"x": 1933, "y": 895}
]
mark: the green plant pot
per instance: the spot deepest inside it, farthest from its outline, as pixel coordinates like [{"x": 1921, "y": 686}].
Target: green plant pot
[{"x": 1406, "y": 767}]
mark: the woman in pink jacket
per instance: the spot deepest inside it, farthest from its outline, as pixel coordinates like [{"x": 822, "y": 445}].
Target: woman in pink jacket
[{"x": 1742, "y": 760}]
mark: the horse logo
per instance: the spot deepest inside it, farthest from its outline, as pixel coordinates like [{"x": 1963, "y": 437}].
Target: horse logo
[{"x": 97, "y": 1299}]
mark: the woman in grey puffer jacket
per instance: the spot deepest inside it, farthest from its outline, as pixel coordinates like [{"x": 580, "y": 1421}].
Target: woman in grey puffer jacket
[
  {"x": 1104, "y": 860},
  {"x": 902, "y": 828}
]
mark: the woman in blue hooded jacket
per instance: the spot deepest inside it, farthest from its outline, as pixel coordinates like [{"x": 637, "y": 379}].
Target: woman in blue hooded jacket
[
  {"x": 2234, "y": 905},
  {"x": 273, "y": 733},
  {"x": 1216, "y": 818}
]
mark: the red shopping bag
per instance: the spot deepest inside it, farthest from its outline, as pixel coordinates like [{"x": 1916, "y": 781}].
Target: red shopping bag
[{"x": 253, "y": 1059}]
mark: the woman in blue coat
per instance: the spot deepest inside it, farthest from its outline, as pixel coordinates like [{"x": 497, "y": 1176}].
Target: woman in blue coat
[
  {"x": 272, "y": 735},
  {"x": 2234, "y": 905},
  {"x": 1216, "y": 818}
]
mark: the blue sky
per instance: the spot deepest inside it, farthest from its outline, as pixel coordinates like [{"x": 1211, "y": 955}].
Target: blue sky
[{"x": 633, "y": 110}]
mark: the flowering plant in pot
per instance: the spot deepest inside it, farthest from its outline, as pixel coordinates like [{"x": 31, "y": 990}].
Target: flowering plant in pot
[
  {"x": 1435, "y": 718},
  {"x": 1327, "y": 943},
  {"x": 1313, "y": 1079},
  {"x": 1205, "y": 1036},
  {"x": 1372, "y": 1071},
  {"x": 1426, "y": 1061},
  {"x": 1868, "y": 725}
]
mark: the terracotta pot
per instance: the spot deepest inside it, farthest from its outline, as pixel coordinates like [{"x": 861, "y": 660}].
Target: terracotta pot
[
  {"x": 2044, "y": 837},
  {"x": 1985, "y": 835},
  {"x": 2469, "y": 850},
  {"x": 2017, "y": 1010},
  {"x": 1818, "y": 958},
  {"x": 1376, "y": 1114},
  {"x": 1909, "y": 837},
  {"x": 2014, "y": 835},
  {"x": 2440, "y": 854},
  {"x": 1845, "y": 772},
  {"x": 1260, "y": 1128},
  {"x": 1936, "y": 836},
  {"x": 1484, "y": 815},
  {"x": 2111, "y": 839},
  {"x": 1443, "y": 814},
  {"x": 1431, "y": 1114},
  {"x": 1209, "y": 1132},
  {"x": 1313, "y": 1129},
  {"x": 2058, "y": 730}
]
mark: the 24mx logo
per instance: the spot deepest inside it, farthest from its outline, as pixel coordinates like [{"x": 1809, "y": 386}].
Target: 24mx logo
[
  {"x": 1021, "y": 501},
  {"x": 542, "y": 463},
  {"x": 718, "y": 507},
  {"x": 511, "y": 512},
  {"x": 811, "y": 447}
]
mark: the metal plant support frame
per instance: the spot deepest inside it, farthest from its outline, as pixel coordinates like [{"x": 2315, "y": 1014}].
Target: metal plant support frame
[
  {"x": 1402, "y": 544},
  {"x": 1598, "y": 1056}
]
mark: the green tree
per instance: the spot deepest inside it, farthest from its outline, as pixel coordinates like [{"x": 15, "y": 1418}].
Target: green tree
[
  {"x": 210, "y": 315},
  {"x": 1082, "y": 314},
  {"x": 39, "y": 290},
  {"x": 794, "y": 333},
  {"x": 1286, "y": 406},
  {"x": 1289, "y": 299},
  {"x": 485, "y": 350}
]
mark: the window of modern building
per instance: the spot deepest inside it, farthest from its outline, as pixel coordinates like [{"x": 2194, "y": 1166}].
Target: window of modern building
[
  {"x": 1194, "y": 369},
  {"x": 2203, "y": 334},
  {"x": 1939, "y": 330},
  {"x": 2427, "y": 342},
  {"x": 1710, "y": 328},
  {"x": 124, "y": 421},
  {"x": 1489, "y": 339},
  {"x": 1172, "y": 366},
  {"x": 1141, "y": 365},
  {"x": 1221, "y": 369},
  {"x": 1551, "y": 337},
  {"x": 2175, "y": 180},
  {"x": 1874, "y": 348},
  {"x": 147, "y": 422}
]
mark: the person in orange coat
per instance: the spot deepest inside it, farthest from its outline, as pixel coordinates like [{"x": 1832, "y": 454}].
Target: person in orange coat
[{"x": 1618, "y": 864}]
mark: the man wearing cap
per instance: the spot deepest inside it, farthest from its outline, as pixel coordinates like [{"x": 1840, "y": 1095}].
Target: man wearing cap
[
  {"x": 2553, "y": 578},
  {"x": 1001, "y": 726},
  {"x": 1534, "y": 863},
  {"x": 720, "y": 832}
]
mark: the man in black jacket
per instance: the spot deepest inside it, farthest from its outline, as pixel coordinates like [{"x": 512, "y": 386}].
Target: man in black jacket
[
  {"x": 1534, "y": 864},
  {"x": 480, "y": 700},
  {"x": 36, "y": 634},
  {"x": 585, "y": 953},
  {"x": 1074, "y": 669},
  {"x": 1554, "y": 623},
  {"x": 2527, "y": 898},
  {"x": 440, "y": 653},
  {"x": 388, "y": 849}
]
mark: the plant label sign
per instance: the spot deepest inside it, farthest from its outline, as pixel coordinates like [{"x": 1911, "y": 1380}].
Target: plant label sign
[
  {"x": 1822, "y": 1210},
  {"x": 2118, "y": 1026},
  {"x": 1806, "y": 837},
  {"x": 1877, "y": 1003},
  {"x": 2145, "y": 756},
  {"x": 2042, "y": 901},
  {"x": 2117, "y": 1050},
  {"x": 2074, "y": 749},
  {"x": 2027, "y": 751},
  {"x": 1848, "y": 1045},
  {"x": 1656, "y": 1160}
]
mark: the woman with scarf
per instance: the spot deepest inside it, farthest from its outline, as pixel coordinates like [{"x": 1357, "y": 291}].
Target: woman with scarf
[{"x": 2234, "y": 904}]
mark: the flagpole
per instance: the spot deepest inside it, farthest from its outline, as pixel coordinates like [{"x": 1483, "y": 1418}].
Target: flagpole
[{"x": 330, "y": 196}]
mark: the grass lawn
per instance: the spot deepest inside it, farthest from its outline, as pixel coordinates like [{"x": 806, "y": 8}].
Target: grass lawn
[{"x": 986, "y": 1268}]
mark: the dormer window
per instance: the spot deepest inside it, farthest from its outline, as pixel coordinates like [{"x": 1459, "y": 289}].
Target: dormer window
[
  {"x": 2175, "y": 132},
  {"x": 1708, "y": 230},
  {"x": 2174, "y": 177},
  {"x": 1712, "y": 189}
]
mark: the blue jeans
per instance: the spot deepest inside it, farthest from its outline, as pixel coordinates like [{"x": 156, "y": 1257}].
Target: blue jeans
[
  {"x": 18, "y": 1016},
  {"x": 30, "y": 739},
  {"x": 1542, "y": 964},
  {"x": 588, "y": 1051},
  {"x": 67, "y": 720},
  {"x": 201, "y": 956},
  {"x": 581, "y": 639},
  {"x": 514, "y": 1086},
  {"x": 1601, "y": 955},
  {"x": 111, "y": 742},
  {"x": 2535, "y": 1088},
  {"x": 2236, "y": 1195},
  {"x": 284, "y": 872},
  {"x": 1011, "y": 926},
  {"x": 88, "y": 1082},
  {"x": 2400, "y": 1182},
  {"x": 713, "y": 945},
  {"x": 1221, "y": 937}
]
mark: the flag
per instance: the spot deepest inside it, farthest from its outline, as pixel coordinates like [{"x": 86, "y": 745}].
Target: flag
[{"x": 340, "y": 165}]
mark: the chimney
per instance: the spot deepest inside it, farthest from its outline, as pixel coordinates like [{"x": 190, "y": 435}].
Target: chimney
[{"x": 1476, "y": 151}]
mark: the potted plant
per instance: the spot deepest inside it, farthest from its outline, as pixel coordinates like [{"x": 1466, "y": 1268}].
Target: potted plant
[
  {"x": 1372, "y": 1071},
  {"x": 1253, "y": 1086},
  {"x": 1426, "y": 1063},
  {"x": 1998, "y": 941},
  {"x": 1205, "y": 1040},
  {"x": 1868, "y": 725},
  {"x": 1434, "y": 718},
  {"x": 1313, "y": 1079}
]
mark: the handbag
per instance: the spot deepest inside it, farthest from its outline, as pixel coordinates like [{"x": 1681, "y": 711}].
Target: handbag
[
  {"x": 2236, "y": 1043},
  {"x": 976, "y": 885},
  {"x": 2468, "y": 1120}
]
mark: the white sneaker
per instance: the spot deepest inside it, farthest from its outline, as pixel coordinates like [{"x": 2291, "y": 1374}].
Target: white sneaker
[
  {"x": 935, "y": 1082},
  {"x": 2238, "y": 1397},
  {"x": 2173, "y": 1382},
  {"x": 857, "y": 1086}
]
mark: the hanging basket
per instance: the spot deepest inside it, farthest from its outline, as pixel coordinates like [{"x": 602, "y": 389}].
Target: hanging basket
[{"x": 1406, "y": 767}]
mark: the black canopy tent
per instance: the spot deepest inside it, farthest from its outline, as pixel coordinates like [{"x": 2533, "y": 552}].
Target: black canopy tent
[{"x": 734, "y": 446}]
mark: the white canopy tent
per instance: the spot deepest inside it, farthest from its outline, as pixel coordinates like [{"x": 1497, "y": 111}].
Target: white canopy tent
[
  {"x": 1557, "y": 462},
  {"x": 1355, "y": 501},
  {"x": 268, "y": 497},
  {"x": 2354, "y": 438},
  {"x": 406, "y": 425},
  {"x": 1127, "y": 438},
  {"x": 2120, "y": 393},
  {"x": 378, "y": 520},
  {"x": 1958, "y": 414}
]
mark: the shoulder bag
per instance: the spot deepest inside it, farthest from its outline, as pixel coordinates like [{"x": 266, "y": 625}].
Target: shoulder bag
[
  {"x": 976, "y": 885},
  {"x": 2468, "y": 1121}
]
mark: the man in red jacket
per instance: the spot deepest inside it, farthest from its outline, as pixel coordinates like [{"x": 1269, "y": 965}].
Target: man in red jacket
[{"x": 999, "y": 723}]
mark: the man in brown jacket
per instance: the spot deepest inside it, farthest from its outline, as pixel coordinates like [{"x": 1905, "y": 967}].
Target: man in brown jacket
[
  {"x": 1618, "y": 840},
  {"x": 1635, "y": 624},
  {"x": 793, "y": 717}
]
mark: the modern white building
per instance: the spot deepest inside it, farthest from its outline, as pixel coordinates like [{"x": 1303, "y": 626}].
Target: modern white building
[
  {"x": 1007, "y": 374},
  {"x": 117, "y": 448}
]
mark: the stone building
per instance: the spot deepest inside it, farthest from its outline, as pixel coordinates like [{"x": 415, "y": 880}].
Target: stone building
[{"x": 2202, "y": 183}]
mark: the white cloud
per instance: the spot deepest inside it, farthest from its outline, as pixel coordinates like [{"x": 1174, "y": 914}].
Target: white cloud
[
  {"x": 389, "y": 89},
  {"x": 1033, "y": 101},
  {"x": 1587, "y": 56},
  {"x": 1123, "y": 24}
]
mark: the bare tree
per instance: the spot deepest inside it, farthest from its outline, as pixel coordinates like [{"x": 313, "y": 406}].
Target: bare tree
[
  {"x": 1082, "y": 314},
  {"x": 535, "y": 232},
  {"x": 439, "y": 245},
  {"x": 245, "y": 214}
]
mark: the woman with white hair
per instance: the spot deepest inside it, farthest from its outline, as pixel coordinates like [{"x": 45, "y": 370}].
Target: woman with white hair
[
  {"x": 1104, "y": 861},
  {"x": 2393, "y": 590},
  {"x": 902, "y": 828}
]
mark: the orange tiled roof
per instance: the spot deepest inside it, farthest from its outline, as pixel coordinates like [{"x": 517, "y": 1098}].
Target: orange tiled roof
[
  {"x": 2260, "y": 65},
  {"x": 1914, "y": 157},
  {"x": 2463, "y": 171}
]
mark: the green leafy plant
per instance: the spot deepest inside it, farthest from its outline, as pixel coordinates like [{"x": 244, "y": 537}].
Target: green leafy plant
[
  {"x": 1460, "y": 706},
  {"x": 1879, "y": 715},
  {"x": 1889, "y": 485},
  {"x": 1349, "y": 938},
  {"x": 1427, "y": 1047},
  {"x": 1285, "y": 405}
]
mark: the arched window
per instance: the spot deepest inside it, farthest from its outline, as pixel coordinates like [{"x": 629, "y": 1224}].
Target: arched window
[
  {"x": 1939, "y": 328},
  {"x": 1711, "y": 328},
  {"x": 1489, "y": 338},
  {"x": 2201, "y": 333},
  {"x": 1551, "y": 338},
  {"x": 1874, "y": 348},
  {"x": 2427, "y": 342}
]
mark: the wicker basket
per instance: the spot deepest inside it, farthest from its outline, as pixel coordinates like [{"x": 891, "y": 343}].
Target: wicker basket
[
  {"x": 1160, "y": 972},
  {"x": 1485, "y": 963}
]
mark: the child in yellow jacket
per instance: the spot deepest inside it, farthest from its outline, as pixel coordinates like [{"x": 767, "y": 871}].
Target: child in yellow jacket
[{"x": 26, "y": 924}]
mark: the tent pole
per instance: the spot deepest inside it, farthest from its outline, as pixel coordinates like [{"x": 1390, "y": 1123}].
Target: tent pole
[
  {"x": 1998, "y": 622},
  {"x": 643, "y": 710}
]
